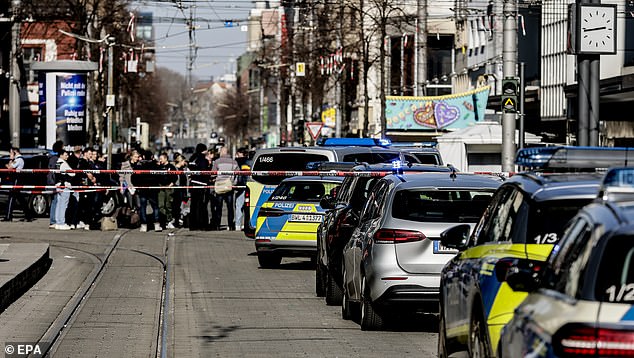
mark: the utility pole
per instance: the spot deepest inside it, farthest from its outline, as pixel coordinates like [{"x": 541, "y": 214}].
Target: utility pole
[
  {"x": 509, "y": 58},
  {"x": 521, "y": 105},
  {"x": 190, "y": 65},
  {"x": 109, "y": 110},
  {"x": 14, "y": 80},
  {"x": 421, "y": 46}
]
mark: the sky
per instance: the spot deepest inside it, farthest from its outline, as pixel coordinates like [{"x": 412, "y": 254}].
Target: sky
[{"x": 218, "y": 46}]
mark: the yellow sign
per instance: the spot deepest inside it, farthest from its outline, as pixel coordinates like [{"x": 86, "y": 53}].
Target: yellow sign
[
  {"x": 329, "y": 117},
  {"x": 300, "y": 69}
]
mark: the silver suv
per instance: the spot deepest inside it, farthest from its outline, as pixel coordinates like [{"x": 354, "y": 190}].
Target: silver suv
[{"x": 393, "y": 259}]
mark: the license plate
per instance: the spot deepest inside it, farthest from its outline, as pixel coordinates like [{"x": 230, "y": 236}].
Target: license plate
[
  {"x": 440, "y": 249},
  {"x": 311, "y": 218}
]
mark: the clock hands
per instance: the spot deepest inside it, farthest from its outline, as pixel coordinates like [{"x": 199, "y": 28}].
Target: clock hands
[{"x": 588, "y": 29}]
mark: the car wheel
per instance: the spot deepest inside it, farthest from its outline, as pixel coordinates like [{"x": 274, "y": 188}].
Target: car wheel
[
  {"x": 333, "y": 291},
  {"x": 370, "y": 319},
  {"x": 269, "y": 260},
  {"x": 320, "y": 285},
  {"x": 478, "y": 343},
  {"x": 38, "y": 204}
]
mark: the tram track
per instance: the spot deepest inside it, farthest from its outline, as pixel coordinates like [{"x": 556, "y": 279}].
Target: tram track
[{"x": 57, "y": 330}]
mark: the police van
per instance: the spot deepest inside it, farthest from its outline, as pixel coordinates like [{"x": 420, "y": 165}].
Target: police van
[{"x": 355, "y": 150}]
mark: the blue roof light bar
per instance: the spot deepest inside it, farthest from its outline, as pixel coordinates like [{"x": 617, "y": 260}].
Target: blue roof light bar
[
  {"x": 574, "y": 157},
  {"x": 618, "y": 185},
  {"x": 347, "y": 142}
]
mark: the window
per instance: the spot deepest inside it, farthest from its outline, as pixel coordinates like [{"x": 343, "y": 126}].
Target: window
[
  {"x": 458, "y": 206},
  {"x": 30, "y": 55},
  {"x": 282, "y": 161},
  {"x": 428, "y": 158},
  {"x": 504, "y": 217},
  {"x": 615, "y": 278},
  {"x": 548, "y": 220},
  {"x": 302, "y": 191},
  {"x": 373, "y": 207},
  {"x": 372, "y": 158},
  {"x": 568, "y": 263}
]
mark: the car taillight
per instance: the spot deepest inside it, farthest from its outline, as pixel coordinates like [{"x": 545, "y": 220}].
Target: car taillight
[
  {"x": 580, "y": 340},
  {"x": 388, "y": 236}
]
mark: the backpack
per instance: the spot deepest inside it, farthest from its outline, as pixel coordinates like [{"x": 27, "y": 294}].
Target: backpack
[{"x": 223, "y": 185}]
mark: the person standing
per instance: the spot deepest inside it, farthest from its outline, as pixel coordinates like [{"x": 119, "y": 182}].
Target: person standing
[
  {"x": 15, "y": 195},
  {"x": 58, "y": 148},
  {"x": 147, "y": 196},
  {"x": 198, "y": 215},
  {"x": 241, "y": 182},
  {"x": 125, "y": 180},
  {"x": 223, "y": 187},
  {"x": 180, "y": 195},
  {"x": 63, "y": 194},
  {"x": 165, "y": 195}
]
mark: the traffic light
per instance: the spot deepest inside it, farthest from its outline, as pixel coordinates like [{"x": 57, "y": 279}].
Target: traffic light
[{"x": 510, "y": 91}]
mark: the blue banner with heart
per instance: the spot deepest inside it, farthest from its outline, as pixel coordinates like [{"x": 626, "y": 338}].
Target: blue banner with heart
[{"x": 436, "y": 112}]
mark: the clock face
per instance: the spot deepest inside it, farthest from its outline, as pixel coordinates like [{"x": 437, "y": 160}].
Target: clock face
[{"x": 597, "y": 29}]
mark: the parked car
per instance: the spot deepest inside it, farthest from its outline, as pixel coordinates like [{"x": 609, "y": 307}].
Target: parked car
[
  {"x": 525, "y": 219},
  {"x": 424, "y": 153},
  {"x": 353, "y": 150},
  {"x": 342, "y": 216},
  {"x": 38, "y": 200},
  {"x": 287, "y": 221},
  {"x": 580, "y": 302},
  {"x": 393, "y": 259}
]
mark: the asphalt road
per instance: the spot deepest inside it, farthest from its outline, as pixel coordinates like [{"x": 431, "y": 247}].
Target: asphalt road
[{"x": 216, "y": 301}]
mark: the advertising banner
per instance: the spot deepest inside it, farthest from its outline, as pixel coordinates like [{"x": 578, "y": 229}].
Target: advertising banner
[
  {"x": 448, "y": 112},
  {"x": 70, "y": 114}
]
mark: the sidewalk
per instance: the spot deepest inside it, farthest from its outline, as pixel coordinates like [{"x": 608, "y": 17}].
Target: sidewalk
[{"x": 21, "y": 266}]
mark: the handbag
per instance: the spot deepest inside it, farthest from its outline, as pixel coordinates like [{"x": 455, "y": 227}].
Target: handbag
[{"x": 223, "y": 185}]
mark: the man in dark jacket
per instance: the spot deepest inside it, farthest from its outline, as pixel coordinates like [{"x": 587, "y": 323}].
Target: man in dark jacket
[
  {"x": 199, "y": 216},
  {"x": 165, "y": 195},
  {"x": 147, "y": 196}
]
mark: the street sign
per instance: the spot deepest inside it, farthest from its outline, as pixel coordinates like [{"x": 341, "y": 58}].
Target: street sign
[
  {"x": 314, "y": 128},
  {"x": 110, "y": 99}
]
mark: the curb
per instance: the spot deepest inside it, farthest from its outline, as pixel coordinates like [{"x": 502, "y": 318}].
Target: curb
[{"x": 21, "y": 266}]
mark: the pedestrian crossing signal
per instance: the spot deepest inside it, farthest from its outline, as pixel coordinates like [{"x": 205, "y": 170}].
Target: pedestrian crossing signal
[{"x": 510, "y": 90}]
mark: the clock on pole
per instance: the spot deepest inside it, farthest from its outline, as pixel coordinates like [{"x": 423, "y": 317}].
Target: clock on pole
[{"x": 595, "y": 29}]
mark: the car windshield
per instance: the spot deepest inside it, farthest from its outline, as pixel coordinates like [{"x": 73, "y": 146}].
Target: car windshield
[
  {"x": 302, "y": 191},
  {"x": 440, "y": 205},
  {"x": 547, "y": 220},
  {"x": 615, "y": 279},
  {"x": 282, "y": 161}
]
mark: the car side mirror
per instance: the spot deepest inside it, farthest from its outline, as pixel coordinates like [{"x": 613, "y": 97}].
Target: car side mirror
[
  {"x": 327, "y": 202},
  {"x": 521, "y": 275},
  {"x": 456, "y": 237}
]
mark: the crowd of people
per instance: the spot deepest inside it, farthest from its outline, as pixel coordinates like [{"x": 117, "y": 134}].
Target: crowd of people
[{"x": 175, "y": 199}]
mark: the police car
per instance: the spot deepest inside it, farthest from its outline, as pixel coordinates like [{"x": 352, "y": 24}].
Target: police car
[
  {"x": 525, "y": 219},
  {"x": 287, "y": 222},
  {"x": 585, "y": 304},
  {"x": 355, "y": 150}
]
